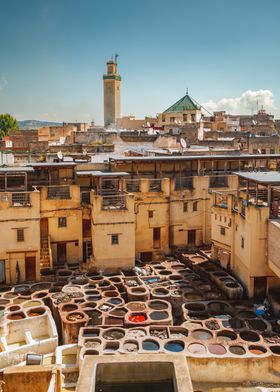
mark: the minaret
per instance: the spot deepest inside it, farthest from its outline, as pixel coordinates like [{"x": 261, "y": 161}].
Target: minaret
[{"x": 112, "y": 84}]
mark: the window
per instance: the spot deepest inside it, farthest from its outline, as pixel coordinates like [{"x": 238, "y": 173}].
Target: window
[
  {"x": 20, "y": 235},
  {"x": 272, "y": 151},
  {"x": 172, "y": 119},
  {"x": 223, "y": 231},
  {"x": 242, "y": 242},
  {"x": 195, "y": 204},
  {"x": 263, "y": 151},
  {"x": 185, "y": 206},
  {"x": 62, "y": 221},
  {"x": 225, "y": 219},
  {"x": 156, "y": 237},
  {"x": 115, "y": 239},
  {"x": 215, "y": 216},
  {"x": 151, "y": 214}
]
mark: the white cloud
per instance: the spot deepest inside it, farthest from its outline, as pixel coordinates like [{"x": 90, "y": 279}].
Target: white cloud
[
  {"x": 245, "y": 104},
  {"x": 3, "y": 83}
]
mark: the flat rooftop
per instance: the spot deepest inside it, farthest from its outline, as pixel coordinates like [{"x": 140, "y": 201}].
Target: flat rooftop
[{"x": 269, "y": 177}]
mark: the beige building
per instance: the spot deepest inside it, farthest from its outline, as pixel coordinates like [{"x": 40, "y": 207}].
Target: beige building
[
  {"x": 184, "y": 111},
  {"x": 240, "y": 236},
  {"x": 133, "y": 123},
  {"x": 112, "y": 85}
]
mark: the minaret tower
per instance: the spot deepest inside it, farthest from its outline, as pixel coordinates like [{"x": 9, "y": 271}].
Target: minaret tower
[{"x": 112, "y": 85}]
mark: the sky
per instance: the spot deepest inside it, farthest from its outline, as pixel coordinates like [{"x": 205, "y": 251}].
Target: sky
[{"x": 54, "y": 53}]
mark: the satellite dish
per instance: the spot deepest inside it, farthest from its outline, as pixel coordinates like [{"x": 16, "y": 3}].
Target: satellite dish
[
  {"x": 183, "y": 143},
  {"x": 59, "y": 155},
  {"x": 148, "y": 124},
  {"x": 84, "y": 151}
]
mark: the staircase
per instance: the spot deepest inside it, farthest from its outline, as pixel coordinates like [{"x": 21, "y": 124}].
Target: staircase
[{"x": 45, "y": 257}]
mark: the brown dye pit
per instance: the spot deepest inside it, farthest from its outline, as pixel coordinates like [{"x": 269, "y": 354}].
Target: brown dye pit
[
  {"x": 201, "y": 334},
  {"x": 113, "y": 334},
  {"x": 75, "y": 317},
  {"x": 217, "y": 349}
]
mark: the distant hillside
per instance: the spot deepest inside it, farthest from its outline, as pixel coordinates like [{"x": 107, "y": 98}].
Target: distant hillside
[{"x": 34, "y": 124}]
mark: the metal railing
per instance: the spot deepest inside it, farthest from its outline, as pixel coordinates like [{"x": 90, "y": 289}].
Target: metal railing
[
  {"x": 218, "y": 182},
  {"x": 132, "y": 185},
  {"x": 85, "y": 197},
  {"x": 20, "y": 199},
  {"x": 113, "y": 202},
  {"x": 59, "y": 192},
  {"x": 155, "y": 185},
  {"x": 183, "y": 183}
]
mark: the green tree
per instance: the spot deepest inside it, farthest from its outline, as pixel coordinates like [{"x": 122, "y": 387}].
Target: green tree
[{"x": 7, "y": 124}]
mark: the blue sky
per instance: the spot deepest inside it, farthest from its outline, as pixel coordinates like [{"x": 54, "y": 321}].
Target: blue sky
[{"x": 53, "y": 55}]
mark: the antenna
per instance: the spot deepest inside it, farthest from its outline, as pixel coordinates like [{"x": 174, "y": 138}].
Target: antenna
[
  {"x": 187, "y": 91},
  {"x": 116, "y": 58}
]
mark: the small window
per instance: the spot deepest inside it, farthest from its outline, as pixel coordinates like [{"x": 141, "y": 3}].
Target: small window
[
  {"x": 223, "y": 231},
  {"x": 20, "y": 235},
  {"x": 242, "y": 242},
  {"x": 225, "y": 219},
  {"x": 185, "y": 206},
  {"x": 236, "y": 227},
  {"x": 115, "y": 239},
  {"x": 151, "y": 214},
  {"x": 215, "y": 216},
  {"x": 62, "y": 222},
  {"x": 272, "y": 151},
  {"x": 195, "y": 204}
]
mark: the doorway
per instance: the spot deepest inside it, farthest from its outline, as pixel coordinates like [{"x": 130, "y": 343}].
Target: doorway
[
  {"x": 2, "y": 272},
  {"x": 61, "y": 253},
  {"x": 30, "y": 268},
  {"x": 44, "y": 227},
  {"x": 191, "y": 237},
  {"x": 260, "y": 287},
  {"x": 156, "y": 237}
]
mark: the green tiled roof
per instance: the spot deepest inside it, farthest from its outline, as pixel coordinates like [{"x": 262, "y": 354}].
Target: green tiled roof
[{"x": 185, "y": 103}]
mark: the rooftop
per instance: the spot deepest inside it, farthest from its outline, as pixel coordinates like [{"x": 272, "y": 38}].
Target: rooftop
[
  {"x": 185, "y": 103},
  {"x": 271, "y": 177}
]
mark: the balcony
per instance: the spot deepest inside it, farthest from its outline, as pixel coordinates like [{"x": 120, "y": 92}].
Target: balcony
[
  {"x": 183, "y": 183},
  {"x": 20, "y": 199},
  {"x": 218, "y": 182},
  {"x": 155, "y": 185},
  {"x": 114, "y": 202},
  {"x": 58, "y": 192},
  {"x": 132, "y": 186}
]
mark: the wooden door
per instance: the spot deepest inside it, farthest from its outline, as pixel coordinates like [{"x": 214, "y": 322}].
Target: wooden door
[
  {"x": 44, "y": 227},
  {"x": 30, "y": 268},
  {"x": 191, "y": 237},
  {"x": 61, "y": 253},
  {"x": 2, "y": 272}
]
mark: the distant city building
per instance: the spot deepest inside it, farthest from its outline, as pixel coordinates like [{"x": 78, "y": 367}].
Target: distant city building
[{"x": 112, "y": 84}]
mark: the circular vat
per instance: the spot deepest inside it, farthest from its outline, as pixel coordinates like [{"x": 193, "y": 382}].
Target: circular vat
[
  {"x": 159, "y": 315},
  {"x": 32, "y": 304},
  {"x": 175, "y": 277},
  {"x": 136, "y": 332},
  {"x": 249, "y": 336},
  {"x": 131, "y": 346},
  {"x": 64, "y": 273},
  {"x": 4, "y": 301},
  {"x": 196, "y": 307},
  {"x": 76, "y": 316},
  {"x": 16, "y": 316},
  {"x": 41, "y": 286},
  {"x": 197, "y": 348},
  {"x": 136, "y": 306},
  {"x": 237, "y": 350},
  {"x": 165, "y": 273},
  {"x": 175, "y": 346},
  {"x": 201, "y": 334},
  {"x": 92, "y": 343},
  {"x": 34, "y": 312},
  {"x": 137, "y": 318},
  {"x": 217, "y": 349},
  {"x": 218, "y": 306},
  {"x": 158, "y": 305},
  {"x": 69, "y": 307},
  {"x": 91, "y": 352},
  {"x": 160, "y": 292},
  {"x": 150, "y": 345},
  {"x": 113, "y": 334},
  {"x": 138, "y": 290},
  {"x": 115, "y": 301},
  {"x": 225, "y": 335},
  {"x": 213, "y": 325},
  {"x": 41, "y": 294},
  {"x": 13, "y": 308},
  {"x": 119, "y": 312},
  {"x": 88, "y": 305},
  {"x": 275, "y": 349},
  {"x": 257, "y": 350}
]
